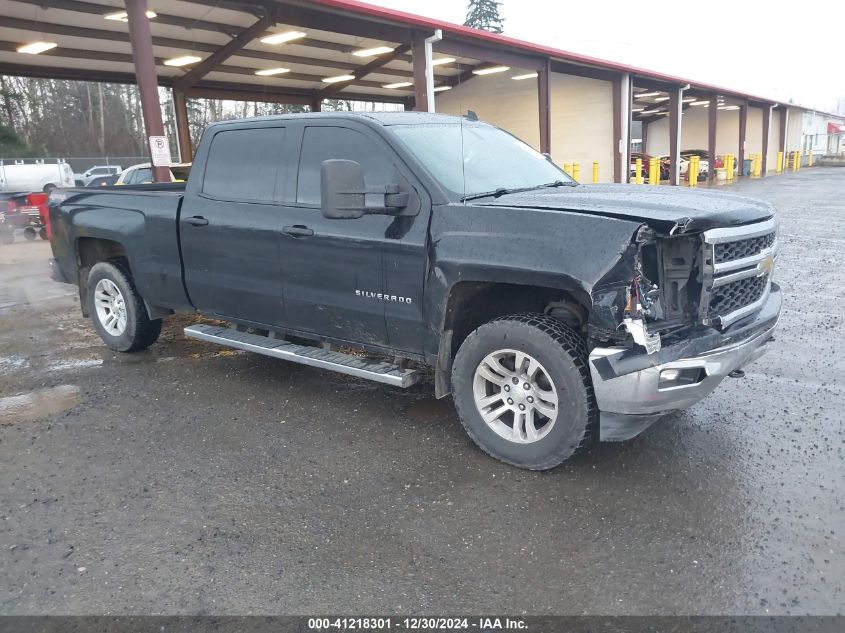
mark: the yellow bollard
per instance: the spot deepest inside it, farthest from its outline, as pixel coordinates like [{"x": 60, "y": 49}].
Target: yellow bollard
[
  {"x": 779, "y": 165},
  {"x": 576, "y": 171},
  {"x": 653, "y": 171},
  {"x": 810, "y": 159},
  {"x": 595, "y": 171},
  {"x": 797, "y": 161},
  {"x": 758, "y": 165},
  {"x": 730, "y": 161},
  {"x": 638, "y": 171},
  {"x": 692, "y": 171},
  {"x": 567, "y": 167}
]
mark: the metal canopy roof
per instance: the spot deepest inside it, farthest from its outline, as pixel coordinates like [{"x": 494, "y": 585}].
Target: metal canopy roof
[{"x": 91, "y": 47}]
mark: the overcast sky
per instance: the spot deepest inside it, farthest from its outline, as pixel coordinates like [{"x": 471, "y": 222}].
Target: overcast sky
[{"x": 776, "y": 49}]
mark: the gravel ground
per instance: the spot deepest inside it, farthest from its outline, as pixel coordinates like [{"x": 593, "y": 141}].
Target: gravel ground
[{"x": 189, "y": 479}]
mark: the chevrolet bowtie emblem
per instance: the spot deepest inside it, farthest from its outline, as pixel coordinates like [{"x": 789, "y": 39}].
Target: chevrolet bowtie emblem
[{"x": 766, "y": 265}]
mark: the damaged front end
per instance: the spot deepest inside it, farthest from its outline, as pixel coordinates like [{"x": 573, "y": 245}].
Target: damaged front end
[
  {"x": 654, "y": 290},
  {"x": 678, "y": 312}
]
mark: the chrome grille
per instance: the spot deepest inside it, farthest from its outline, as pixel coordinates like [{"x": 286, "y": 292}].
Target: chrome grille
[
  {"x": 740, "y": 266},
  {"x": 737, "y": 294},
  {"x": 730, "y": 251}
]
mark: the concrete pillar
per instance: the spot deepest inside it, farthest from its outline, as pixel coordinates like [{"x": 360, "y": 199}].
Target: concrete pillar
[{"x": 712, "y": 116}]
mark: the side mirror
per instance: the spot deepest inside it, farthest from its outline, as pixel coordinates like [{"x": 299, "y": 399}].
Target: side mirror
[{"x": 343, "y": 194}]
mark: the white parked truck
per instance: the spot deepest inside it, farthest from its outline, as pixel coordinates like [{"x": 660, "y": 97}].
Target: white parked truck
[{"x": 34, "y": 175}]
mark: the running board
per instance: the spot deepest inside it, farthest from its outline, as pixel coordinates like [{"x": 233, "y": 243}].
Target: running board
[{"x": 313, "y": 356}]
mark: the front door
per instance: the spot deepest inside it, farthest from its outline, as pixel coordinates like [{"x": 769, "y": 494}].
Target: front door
[
  {"x": 231, "y": 222},
  {"x": 334, "y": 269}
]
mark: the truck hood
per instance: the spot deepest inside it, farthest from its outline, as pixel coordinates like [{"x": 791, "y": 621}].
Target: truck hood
[{"x": 666, "y": 209}]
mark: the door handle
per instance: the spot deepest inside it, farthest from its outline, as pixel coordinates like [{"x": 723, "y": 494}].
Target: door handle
[
  {"x": 196, "y": 220},
  {"x": 297, "y": 230}
]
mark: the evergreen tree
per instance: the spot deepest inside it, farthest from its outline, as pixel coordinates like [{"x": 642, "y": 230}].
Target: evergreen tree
[{"x": 484, "y": 15}]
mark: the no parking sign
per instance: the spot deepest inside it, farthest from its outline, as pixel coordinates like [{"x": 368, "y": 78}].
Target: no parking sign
[{"x": 160, "y": 151}]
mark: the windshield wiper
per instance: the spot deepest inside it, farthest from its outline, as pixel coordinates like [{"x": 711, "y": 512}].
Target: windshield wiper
[{"x": 497, "y": 193}]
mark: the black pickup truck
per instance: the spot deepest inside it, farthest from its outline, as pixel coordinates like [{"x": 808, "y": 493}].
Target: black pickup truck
[{"x": 554, "y": 313}]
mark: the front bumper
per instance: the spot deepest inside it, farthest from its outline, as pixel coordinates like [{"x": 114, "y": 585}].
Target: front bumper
[{"x": 628, "y": 388}]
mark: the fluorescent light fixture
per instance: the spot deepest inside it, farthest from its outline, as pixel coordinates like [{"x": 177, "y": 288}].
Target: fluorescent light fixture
[
  {"x": 637, "y": 109},
  {"x": 33, "y": 48},
  {"x": 647, "y": 94},
  {"x": 399, "y": 84},
  {"x": 490, "y": 70},
  {"x": 122, "y": 16},
  {"x": 688, "y": 100},
  {"x": 726, "y": 107},
  {"x": 700, "y": 103},
  {"x": 271, "y": 71},
  {"x": 525, "y": 76},
  {"x": 182, "y": 61},
  {"x": 281, "y": 38},
  {"x": 659, "y": 99},
  {"x": 442, "y": 60},
  {"x": 372, "y": 52},
  {"x": 651, "y": 112},
  {"x": 334, "y": 80},
  {"x": 442, "y": 88}
]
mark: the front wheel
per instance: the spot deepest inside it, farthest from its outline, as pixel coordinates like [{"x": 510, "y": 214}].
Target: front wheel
[
  {"x": 522, "y": 390},
  {"x": 117, "y": 310}
]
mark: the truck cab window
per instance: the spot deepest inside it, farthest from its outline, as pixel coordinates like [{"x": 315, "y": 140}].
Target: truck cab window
[
  {"x": 324, "y": 143},
  {"x": 243, "y": 164}
]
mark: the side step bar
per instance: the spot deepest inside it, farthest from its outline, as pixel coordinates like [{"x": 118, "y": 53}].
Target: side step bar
[{"x": 314, "y": 356}]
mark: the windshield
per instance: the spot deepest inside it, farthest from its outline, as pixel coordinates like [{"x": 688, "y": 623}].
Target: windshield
[{"x": 492, "y": 158}]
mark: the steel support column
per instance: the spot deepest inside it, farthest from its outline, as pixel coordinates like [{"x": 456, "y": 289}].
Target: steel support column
[
  {"x": 145, "y": 74},
  {"x": 545, "y": 107},
  {"x": 784, "y": 121},
  {"x": 767, "y": 125},
  {"x": 183, "y": 130},
  {"x": 418, "y": 61},
  {"x": 675, "y": 113},
  {"x": 712, "y": 116},
  {"x": 621, "y": 128},
  {"x": 743, "y": 126}
]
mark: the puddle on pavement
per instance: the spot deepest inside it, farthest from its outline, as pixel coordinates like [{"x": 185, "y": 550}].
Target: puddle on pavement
[
  {"x": 37, "y": 404},
  {"x": 431, "y": 408}
]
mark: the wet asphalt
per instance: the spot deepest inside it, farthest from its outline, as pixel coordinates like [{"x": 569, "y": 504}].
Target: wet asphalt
[{"x": 189, "y": 479}]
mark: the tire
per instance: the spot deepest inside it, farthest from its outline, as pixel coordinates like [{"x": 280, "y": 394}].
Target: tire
[
  {"x": 48, "y": 188},
  {"x": 42, "y": 233},
  {"x": 130, "y": 328},
  {"x": 561, "y": 374},
  {"x": 30, "y": 233}
]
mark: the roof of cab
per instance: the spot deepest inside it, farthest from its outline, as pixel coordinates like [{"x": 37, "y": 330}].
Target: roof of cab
[{"x": 383, "y": 118}]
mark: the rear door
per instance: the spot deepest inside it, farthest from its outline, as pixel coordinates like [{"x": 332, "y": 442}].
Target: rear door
[{"x": 230, "y": 224}]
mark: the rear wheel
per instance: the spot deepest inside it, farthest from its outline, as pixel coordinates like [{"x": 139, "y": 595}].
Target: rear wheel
[
  {"x": 30, "y": 233},
  {"x": 117, "y": 310},
  {"x": 523, "y": 392}
]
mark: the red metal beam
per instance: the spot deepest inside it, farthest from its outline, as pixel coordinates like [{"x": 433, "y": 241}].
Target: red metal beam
[
  {"x": 767, "y": 125},
  {"x": 617, "y": 129},
  {"x": 674, "y": 136},
  {"x": 743, "y": 125},
  {"x": 711, "y": 136},
  {"x": 223, "y": 53},
  {"x": 145, "y": 71},
  {"x": 183, "y": 129},
  {"x": 544, "y": 103},
  {"x": 363, "y": 71},
  {"x": 418, "y": 54}
]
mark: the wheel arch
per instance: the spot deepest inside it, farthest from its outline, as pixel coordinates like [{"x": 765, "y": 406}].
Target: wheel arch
[{"x": 470, "y": 304}]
